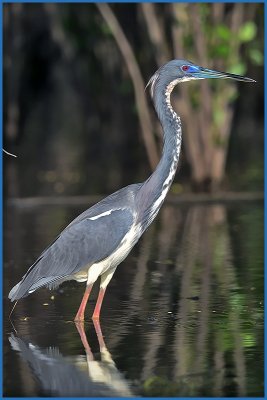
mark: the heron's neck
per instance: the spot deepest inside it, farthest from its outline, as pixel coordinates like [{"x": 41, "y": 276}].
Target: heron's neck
[{"x": 156, "y": 187}]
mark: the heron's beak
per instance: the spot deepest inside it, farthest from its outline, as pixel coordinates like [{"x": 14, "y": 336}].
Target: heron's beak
[{"x": 209, "y": 73}]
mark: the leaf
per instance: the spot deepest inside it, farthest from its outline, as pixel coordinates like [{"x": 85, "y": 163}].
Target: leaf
[
  {"x": 221, "y": 50},
  {"x": 256, "y": 56},
  {"x": 247, "y": 32},
  {"x": 223, "y": 32},
  {"x": 238, "y": 69}
]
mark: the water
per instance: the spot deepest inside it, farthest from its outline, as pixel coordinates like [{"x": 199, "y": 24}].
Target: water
[{"x": 183, "y": 314}]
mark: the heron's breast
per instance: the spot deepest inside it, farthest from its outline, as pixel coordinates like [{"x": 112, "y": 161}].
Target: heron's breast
[
  {"x": 117, "y": 256},
  {"x": 127, "y": 243}
]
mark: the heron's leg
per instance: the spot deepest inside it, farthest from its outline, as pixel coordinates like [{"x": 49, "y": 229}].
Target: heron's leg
[
  {"x": 80, "y": 314},
  {"x": 105, "y": 279}
]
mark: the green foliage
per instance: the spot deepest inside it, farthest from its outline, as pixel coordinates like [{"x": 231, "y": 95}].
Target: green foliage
[
  {"x": 247, "y": 32},
  {"x": 226, "y": 43},
  {"x": 239, "y": 68},
  {"x": 256, "y": 56},
  {"x": 223, "y": 32},
  {"x": 221, "y": 43}
]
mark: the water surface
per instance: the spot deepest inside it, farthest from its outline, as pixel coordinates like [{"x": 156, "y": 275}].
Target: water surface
[{"x": 183, "y": 314}]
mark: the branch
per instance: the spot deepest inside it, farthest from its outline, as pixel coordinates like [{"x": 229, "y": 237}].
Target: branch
[
  {"x": 9, "y": 154},
  {"x": 191, "y": 138},
  {"x": 155, "y": 33},
  {"x": 138, "y": 83},
  {"x": 205, "y": 109}
]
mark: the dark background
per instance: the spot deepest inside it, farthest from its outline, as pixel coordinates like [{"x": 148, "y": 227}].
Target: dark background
[{"x": 69, "y": 104}]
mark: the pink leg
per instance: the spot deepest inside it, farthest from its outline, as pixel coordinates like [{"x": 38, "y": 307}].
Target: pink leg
[
  {"x": 80, "y": 314},
  {"x": 100, "y": 298}
]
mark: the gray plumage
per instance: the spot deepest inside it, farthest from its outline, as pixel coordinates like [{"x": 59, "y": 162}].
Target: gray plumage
[
  {"x": 101, "y": 237},
  {"x": 81, "y": 243}
]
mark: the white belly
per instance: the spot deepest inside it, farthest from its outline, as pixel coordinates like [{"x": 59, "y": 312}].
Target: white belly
[{"x": 112, "y": 261}]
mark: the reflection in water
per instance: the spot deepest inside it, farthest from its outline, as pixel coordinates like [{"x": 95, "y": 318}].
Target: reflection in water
[
  {"x": 183, "y": 315},
  {"x": 77, "y": 376}
]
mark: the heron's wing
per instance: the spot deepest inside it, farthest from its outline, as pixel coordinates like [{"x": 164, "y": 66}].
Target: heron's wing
[{"x": 88, "y": 241}]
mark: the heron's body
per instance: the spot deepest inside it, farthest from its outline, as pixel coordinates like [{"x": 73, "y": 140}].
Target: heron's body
[{"x": 99, "y": 239}]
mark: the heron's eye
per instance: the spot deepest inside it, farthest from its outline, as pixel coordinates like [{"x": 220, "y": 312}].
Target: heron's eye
[{"x": 185, "y": 68}]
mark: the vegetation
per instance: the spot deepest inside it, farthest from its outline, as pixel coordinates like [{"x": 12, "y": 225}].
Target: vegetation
[{"x": 82, "y": 67}]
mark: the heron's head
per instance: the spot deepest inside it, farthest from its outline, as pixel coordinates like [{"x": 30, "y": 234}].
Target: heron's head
[{"x": 176, "y": 71}]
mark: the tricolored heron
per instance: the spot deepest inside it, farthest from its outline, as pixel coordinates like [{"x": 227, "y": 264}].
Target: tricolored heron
[{"x": 99, "y": 239}]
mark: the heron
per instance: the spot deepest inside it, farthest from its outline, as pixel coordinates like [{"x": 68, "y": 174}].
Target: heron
[{"x": 100, "y": 238}]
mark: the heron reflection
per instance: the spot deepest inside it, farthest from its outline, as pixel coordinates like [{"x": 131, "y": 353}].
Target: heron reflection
[{"x": 80, "y": 375}]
